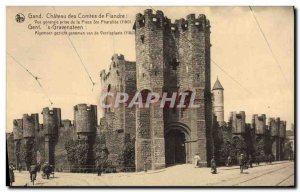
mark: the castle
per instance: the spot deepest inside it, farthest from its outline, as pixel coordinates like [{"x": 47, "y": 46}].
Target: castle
[{"x": 170, "y": 57}]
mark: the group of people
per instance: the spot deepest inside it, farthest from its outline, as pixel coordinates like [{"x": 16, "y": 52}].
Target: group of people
[
  {"x": 197, "y": 163},
  {"x": 246, "y": 163},
  {"x": 47, "y": 169},
  {"x": 243, "y": 162}
]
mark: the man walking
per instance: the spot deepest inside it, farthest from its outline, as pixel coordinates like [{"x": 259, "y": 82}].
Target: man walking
[
  {"x": 213, "y": 165},
  {"x": 228, "y": 164},
  {"x": 241, "y": 161},
  {"x": 11, "y": 174}
]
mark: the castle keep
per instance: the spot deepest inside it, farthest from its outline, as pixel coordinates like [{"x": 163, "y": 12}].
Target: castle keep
[{"x": 170, "y": 58}]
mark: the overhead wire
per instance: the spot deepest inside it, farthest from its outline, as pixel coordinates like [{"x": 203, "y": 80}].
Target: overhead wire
[
  {"x": 268, "y": 44},
  {"x": 35, "y": 77},
  {"x": 79, "y": 57}
]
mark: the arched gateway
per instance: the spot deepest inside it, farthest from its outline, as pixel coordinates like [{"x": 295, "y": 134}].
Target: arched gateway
[{"x": 177, "y": 146}]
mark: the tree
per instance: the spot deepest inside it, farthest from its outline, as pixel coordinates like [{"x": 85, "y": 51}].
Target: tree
[
  {"x": 127, "y": 157},
  {"x": 239, "y": 146},
  {"x": 29, "y": 153},
  {"x": 70, "y": 147},
  {"x": 77, "y": 151}
]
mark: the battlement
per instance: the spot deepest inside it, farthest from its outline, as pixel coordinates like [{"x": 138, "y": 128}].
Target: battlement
[
  {"x": 120, "y": 74},
  {"x": 66, "y": 123},
  {"x": 117, "y": 57},
  {"x": 238, "y": 122},
  {"x": 18, "y": 129},
  {"x": 51, "y": 120},
  {"x": 274, "y": 124},
  {"x": 282, "y": 129},
  {"x": 85, "y": 118},
  {"x": 259, "y": 123},
  {"x": 149, "y": 19},
  {"x": 116, "y": 67},
  {"x": 30, "y": 124},
  {"x": 157, "y": 20}
]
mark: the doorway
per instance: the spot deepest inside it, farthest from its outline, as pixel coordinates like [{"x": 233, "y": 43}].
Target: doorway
[{"x": 175, "y": 147}]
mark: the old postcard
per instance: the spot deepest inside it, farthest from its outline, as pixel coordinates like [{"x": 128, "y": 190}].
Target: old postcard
[{"x": 150, "y": 96}]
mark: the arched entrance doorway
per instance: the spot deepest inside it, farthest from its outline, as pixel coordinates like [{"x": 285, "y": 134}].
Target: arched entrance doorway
[{"x": 176, "y": 145}]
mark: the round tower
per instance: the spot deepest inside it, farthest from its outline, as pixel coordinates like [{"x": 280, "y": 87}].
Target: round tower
[
  {"x": 85, "y": 122},
  {"x": 51, "y": 120},
  {"x": 218, "y": 101},
  {"x": 85, "y": 117}
]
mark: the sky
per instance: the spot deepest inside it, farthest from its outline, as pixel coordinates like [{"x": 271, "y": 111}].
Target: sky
[{"x": 238, "y": 47}]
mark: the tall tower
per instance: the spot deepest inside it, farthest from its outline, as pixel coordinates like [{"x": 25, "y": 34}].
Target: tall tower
[
  {"x": 18, "y": 136},
  {"x": 149, "y": 44},
  {"x": 30, "y": 125},
  {"x": 51, "y": 123},
  {"x": 85, "y": 122},
  {"x": 260, "y": 127},
  {"x": 172, "y": 57},
  {"x": 218, "y": 101},
  {"x": 274, "y": 126}
]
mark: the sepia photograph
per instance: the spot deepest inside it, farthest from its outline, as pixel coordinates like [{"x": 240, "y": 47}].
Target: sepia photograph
[{"x": 150, "y": 96}]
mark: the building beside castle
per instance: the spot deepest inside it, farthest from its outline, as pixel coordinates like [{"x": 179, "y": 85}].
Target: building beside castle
[
  {"x": 256, "y": 139},
  {"x": 172, "y": 58}
]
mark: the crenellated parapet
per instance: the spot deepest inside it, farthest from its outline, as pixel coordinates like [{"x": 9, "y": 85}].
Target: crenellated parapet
[
  {"x": 18, "y": 129},
  {"x": 259, "y": 123},
  {"x": 116, "y": 66},
  {"x": 30, "y": 125},
  {"x": 51, "y": 120},
  {"x": 274, "y": 124},
  {"x": 158, "y": 21},
  {"x": 282, "y": 129}
]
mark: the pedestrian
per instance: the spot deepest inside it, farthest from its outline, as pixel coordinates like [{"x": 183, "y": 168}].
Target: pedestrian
[
  {"x": 228, "y": 164},
  {"x": 101, "y": 160},
  {"x": 197, "y": 160},
  {"x": 99, "y": 168},
  {"x": 241, "y": 161},
  {"x": 270, "y": 158},
  {"x": 46, "y": 170},
  {"x": 33, "y": 170},
  {"x": 257, "y": 160},
  {"x": 213, "y": 165},
  {"x": 11, "y": 174},
  {"x": 20, "y": 168}
]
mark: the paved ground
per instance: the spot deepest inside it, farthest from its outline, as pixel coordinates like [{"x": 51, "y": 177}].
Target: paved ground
[{"x": 277, "y": 174}]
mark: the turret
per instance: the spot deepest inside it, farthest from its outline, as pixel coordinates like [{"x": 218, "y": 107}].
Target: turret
[
  {"x": 18, "y": 129},
  {"x": 30, "y": 125},
  {"x": 85, "y": 118},
  {"x": 237, "y": 120},
  {"x": 259, "y": 123},
  {"x": 51, "y": 120},
  {"x": 282, "y": 129},
  {"x": 218, "y": 101},
  {"x": 274, "y": 124}
]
